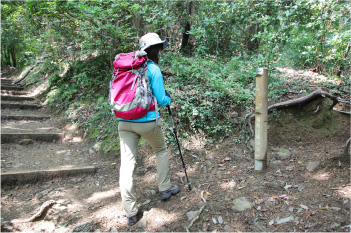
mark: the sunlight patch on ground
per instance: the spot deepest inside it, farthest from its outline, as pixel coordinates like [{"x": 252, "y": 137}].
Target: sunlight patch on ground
[
  {"x": 84, "y": 57},
  {"x": 40, "y": 89},
  {"x": 322, "y": 176},
  {"x": 76, "y": 139},
  {"x": 295, "y": 75},
  {"x": 112, "y": 215},
  {"x": 76, "y": 207},
  {"x": 156, "y": 218},
  {"x": 68, "y": 166},
  {"x": 71, "y": 127},
  {"x": 195, "y": 143},
  {"x": 65, "y": 69},
  {"x": 97, "y": 197},
  {"x": 62, "y": 152},
  {"x": 45, "y": 226},
  {"x": 150, "y": 177},
  {"x": 345, "y": 191},
  {"x": 22, "y": 126}
]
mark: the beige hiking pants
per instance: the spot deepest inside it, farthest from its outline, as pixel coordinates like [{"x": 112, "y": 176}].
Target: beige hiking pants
[{"x": 129, "y": 134}]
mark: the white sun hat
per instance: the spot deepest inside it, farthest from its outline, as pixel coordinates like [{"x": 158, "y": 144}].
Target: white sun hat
[{"x": 151, "y": 39}]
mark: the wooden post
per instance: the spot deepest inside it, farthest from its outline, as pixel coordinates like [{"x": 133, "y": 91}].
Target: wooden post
[{"x": 261, "y": 120}]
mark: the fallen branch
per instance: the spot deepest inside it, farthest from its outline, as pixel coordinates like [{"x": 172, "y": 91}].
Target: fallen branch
[
  {"x": 297, "y": 102},
  {"x": 198, "y": 215},
  {"x": 43, "y": 209}
]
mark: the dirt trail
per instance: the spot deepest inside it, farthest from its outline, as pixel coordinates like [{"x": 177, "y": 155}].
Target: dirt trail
[{"x": 303, "y": 189}]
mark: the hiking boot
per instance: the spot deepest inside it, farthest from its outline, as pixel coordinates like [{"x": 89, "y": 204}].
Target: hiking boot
[
  {"x": 134, "y": 219},
  {"x": 174, "y": 189}
]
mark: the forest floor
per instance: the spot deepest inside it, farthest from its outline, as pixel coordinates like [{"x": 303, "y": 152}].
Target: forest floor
[{"x": 303, "y": 188}]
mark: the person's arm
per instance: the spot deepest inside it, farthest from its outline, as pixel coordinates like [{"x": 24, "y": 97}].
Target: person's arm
[{"x": 157, "y": 87}]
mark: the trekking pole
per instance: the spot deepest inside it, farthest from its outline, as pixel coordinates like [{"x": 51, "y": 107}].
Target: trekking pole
[{"x": 181, "y": 156}]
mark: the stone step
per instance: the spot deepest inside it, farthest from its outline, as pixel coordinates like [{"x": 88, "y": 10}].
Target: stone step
[
  {"x": 7, "y": 92},
  {"x": 24, "y": 117},
  {"x": 9, "y": 87},
  {"x": 44, "y": 137},
  {"x": 16, "y": 98},
  {"x": 19, "y": 106}
]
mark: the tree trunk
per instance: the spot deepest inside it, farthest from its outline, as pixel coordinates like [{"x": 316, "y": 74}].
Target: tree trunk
[
  {"x": 6, "y": 56},
  {"x": 187, "y": 26},
  {"x": 137, "y": 22},
  {"x": 13, "y": 56},
  {"x": 341, "y": 67}
]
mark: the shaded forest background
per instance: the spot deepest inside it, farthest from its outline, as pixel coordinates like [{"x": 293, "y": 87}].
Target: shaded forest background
[{"x": 209, "y": 68}]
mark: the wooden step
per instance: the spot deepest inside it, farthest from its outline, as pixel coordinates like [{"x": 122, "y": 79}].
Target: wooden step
[
  {"x": 7, "y": 82},
  {"x": 31, "y": 177},
  {"x": 7, "y": 92},
  {"x": 17, "y": 98},
  {"x": 45, "y": 137},
  {"x": 19, "y": 106},
  {"x": 11, "y": 88},
  {"x": 24, "y": 117}
]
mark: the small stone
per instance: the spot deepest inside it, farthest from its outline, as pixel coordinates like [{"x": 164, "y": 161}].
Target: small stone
[
  {"x": 84, "y": 227},
  {"x": 220, "y": 220},
  {"x": 228, "y": 228},
  {"x": 282, "y": 154},
  {"x": 284, "y": 220},
  {"x": 269, "y": 203},
  {"x": 312, "y": 165},
  {"x": 142, "y": 223},
  {"x": 241, "y": 204},
  {"x": 257, "y": 227},
  {"x": 214, "y": 220},
  {"x": 191, "y": 215}
]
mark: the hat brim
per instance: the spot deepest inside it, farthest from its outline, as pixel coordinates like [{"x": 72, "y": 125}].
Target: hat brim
[{"x": 164, "y": 43}]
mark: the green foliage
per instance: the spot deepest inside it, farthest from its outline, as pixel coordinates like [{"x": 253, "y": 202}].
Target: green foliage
[
  {"x": 206, "y": 91},
  {"x": 81, "y": 94},
  {"x": 228, "y": 41}
]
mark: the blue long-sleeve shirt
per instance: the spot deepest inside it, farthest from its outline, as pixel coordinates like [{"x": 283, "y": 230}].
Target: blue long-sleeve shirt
[{"x": 157, "y": 89}]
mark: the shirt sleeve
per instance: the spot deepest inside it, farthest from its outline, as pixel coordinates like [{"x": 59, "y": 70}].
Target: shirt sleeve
[{"x": 156, "y": 85}]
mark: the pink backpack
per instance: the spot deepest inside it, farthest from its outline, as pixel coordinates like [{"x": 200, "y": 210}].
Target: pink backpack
[{"x": 130, "y": 95}]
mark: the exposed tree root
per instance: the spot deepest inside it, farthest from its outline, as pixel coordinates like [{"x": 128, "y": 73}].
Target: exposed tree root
[
  {"x": 25, "y": 74},
  {"x": 345, "y": 156},
  {"x": 297, "y": 102},
  {"x": 198, "y": 215},
  {"x": 347, "y": 146},
  {"x": 42, "y": 211}
]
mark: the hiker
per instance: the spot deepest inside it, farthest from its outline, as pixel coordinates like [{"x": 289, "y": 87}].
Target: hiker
[{"x": 130, "y": 132}]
